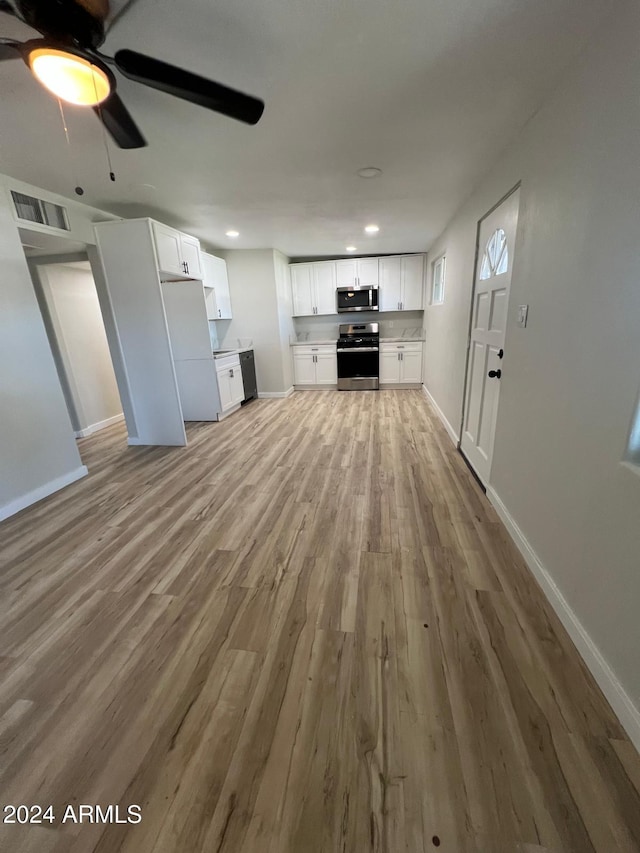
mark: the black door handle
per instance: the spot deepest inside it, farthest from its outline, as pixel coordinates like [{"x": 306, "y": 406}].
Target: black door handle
[
  {"x": 501, "y": 353},
  {"x": 495, "y": 374}
]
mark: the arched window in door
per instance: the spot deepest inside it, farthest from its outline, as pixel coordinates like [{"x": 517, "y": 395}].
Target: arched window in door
[{"x": 495, "y": 260}]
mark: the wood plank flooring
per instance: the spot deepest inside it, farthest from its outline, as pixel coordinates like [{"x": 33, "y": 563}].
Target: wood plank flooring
[{"x": 307, "y": 632}]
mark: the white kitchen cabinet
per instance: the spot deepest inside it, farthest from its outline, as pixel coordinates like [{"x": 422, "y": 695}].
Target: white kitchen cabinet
[
  {"x": 327, "y": 368},
  {"x": 313, "y": 288},
  {"x": 324, "y": 280},
  {"x": 412, "y": 283},
  {"x": 304, "y": 368},
  {"x": 302, "y": 290},
  {"x": 357, "y": 272},
  {"x": 315, "y": 365},
  {"x": 230, "y": 385},
  {"x": 190, "y": 248},
  {"x": 216, "y": 286},
  {"x": 411, "y": 366},
  {"x": 168, "y": 247},
  {"x": 211, "y": 303},
  {"x": 401, "y": 363},
  {"x": 178, "y": 254},
  {"x": 402, "y": 283}
]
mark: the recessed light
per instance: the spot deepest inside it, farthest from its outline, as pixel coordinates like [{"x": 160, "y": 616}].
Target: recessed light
[
  {"x": 369, "y": 172},
  {"x": 372, "y": 229},
  {"x": 352, "y": 249},
  {"x": 232, "y": 233}
]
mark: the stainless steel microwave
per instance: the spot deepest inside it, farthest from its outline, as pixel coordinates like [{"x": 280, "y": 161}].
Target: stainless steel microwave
[{"x": 361, "y": 298}]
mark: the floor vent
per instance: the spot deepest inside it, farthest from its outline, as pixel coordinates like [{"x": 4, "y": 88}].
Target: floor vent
[{"x": 32, "y": 209}]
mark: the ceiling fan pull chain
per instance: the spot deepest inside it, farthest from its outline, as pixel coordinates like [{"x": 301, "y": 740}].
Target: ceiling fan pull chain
[
  {"x": 112, "y": 174},
  {"x": 78, "y": 188}
]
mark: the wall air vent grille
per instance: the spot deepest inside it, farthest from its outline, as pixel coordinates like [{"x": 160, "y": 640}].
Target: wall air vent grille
[{"x": 32, "y": 209}]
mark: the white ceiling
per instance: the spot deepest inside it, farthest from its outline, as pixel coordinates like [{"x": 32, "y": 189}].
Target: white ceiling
[{"x": 430, "y": 91}]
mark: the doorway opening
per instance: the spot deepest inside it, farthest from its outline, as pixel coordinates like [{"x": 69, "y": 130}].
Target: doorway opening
[
  {"x": 66, "y": 292},
  {"x": 486, "y": 356}
]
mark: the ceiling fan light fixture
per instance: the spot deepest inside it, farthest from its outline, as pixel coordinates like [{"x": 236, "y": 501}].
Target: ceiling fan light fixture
[{"x": 70, "y": 77}]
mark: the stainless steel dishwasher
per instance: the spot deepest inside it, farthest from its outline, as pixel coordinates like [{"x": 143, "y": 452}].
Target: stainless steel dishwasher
[{"x": 248, "y": 367}]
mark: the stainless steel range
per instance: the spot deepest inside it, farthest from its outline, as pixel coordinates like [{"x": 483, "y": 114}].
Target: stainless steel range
[{"x": 358, "y": 357}]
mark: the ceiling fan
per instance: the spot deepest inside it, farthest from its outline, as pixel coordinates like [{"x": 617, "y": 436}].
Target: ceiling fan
[{"x": 68, "y": 63}]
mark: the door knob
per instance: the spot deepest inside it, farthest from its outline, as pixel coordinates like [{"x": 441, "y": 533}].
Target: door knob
[{"x": 495, "y": 374}]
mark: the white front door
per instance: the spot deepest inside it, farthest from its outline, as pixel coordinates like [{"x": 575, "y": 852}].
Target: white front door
[{"x": 485, "y": 361}]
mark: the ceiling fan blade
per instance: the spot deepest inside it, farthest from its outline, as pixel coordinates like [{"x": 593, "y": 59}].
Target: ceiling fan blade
[
  {"x": 190, "y": 87},
  {"x": 8, "y": 8},
  {"x": 118, "y": 121},
  {"x": 10, "y": 49}
]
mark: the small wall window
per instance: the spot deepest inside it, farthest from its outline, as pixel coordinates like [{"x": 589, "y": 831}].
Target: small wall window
[{"x": 437, "y": 286}]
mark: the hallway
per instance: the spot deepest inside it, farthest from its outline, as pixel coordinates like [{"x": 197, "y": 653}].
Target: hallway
[{"x": 306, "y": 632}]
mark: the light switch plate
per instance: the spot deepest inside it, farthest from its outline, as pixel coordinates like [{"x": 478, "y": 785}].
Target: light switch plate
[{"x": 523, "y": 312}]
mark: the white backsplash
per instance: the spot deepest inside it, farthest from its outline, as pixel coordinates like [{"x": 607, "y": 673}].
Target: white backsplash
[
  {"x": 213, "y": 334},
  {"x": 393, "y": 324}
]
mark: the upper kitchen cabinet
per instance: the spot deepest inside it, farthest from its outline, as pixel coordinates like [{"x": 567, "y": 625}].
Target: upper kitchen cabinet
[
  {"x": 190, "y": 247},
  {"x": 357, "y": 272},
  {"x": 402, "y": 283},
  {"x": 313, "y": 288},
  {"x": 178, "y": 254},
  {"x": 216, "y": 287}
]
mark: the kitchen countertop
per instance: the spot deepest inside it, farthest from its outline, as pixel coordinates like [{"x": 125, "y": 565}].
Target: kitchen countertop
[
  {"x": 314, "y": 343},
  {"x": 223, "y": 353},
  {"x": 404, "y": 340}
]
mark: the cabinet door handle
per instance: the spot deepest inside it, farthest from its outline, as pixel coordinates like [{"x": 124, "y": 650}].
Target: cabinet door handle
[
  {"x": 219, "y": 313},
  {"x": 186, "y": 267},
  {"x": 231, "y": 374}
]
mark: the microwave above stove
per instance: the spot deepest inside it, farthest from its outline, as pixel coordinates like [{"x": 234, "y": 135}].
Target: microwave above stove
[{"x": 361, "y": 298}]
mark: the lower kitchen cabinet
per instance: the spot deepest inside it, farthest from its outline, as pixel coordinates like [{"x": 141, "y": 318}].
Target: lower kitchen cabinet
[
  {"x": 230, "y": 386},
  {"x": 315, "y": 365},
  {"x": 400, "y": 363}
]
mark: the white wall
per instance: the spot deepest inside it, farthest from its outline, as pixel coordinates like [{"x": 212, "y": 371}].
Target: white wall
[
  {"x": 285, "y": 320},
  {"x": 256, "y": 314},
  {"x": 72, "y": 302},
  {"x": 570, "y": 379},
  {"x": 38, "y": 452}
]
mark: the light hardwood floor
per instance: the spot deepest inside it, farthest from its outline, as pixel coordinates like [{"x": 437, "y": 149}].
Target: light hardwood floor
[{"x": 307, "y": 632}]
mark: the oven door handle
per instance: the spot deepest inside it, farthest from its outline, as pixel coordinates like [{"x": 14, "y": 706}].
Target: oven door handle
[{"x": 358, "y": 349}]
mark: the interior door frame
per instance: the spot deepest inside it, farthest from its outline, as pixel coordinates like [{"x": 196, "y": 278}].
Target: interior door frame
[{"x": 507, "y": 195}]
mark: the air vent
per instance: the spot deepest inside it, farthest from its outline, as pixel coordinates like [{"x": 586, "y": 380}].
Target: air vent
[{"x": 33, "y": 209}]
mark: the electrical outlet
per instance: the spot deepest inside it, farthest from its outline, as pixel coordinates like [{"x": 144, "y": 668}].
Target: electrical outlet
[{"x": 523, "y": 313}]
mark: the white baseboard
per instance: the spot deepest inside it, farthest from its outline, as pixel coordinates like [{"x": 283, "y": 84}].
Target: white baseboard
[
  {"x": 618, "y": 698},
  {"x": 42, "y": 492},
  {"x": 83, "y": 433},
  {"x": 275, "y": 395},
  {"x": 453, "y": 435}
]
